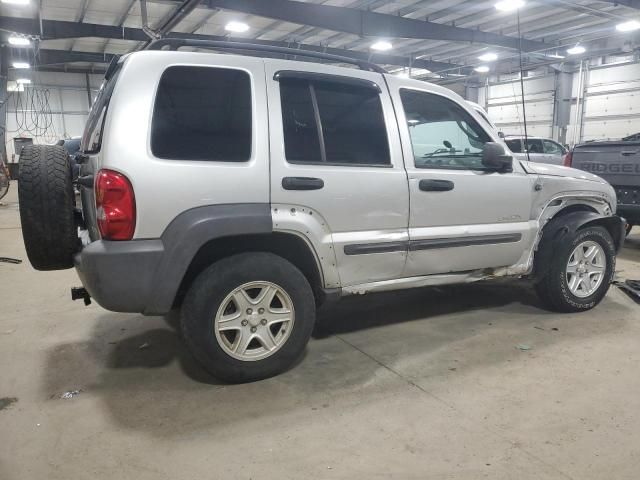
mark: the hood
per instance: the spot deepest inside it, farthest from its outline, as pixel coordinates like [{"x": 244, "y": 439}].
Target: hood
[{"x": 559, "y": 171}]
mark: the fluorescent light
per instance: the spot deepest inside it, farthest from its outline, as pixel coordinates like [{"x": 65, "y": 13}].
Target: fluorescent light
[
  {"x": 509, "y": 5},
  {"x": 16, "y": 2},
  {"x": 236, "y": 27},
  {"x": 23, "y": 81},
  {"x": 488, "y": 57},
  {"x": 19, "y": 41},
  {"x": 21, "y": 65},
  {"x": 381, "y": 46},
  {"x": 629, "y": 26},
  {"x": 577, "y": 50},
  {"x": 482, "y": 69}
]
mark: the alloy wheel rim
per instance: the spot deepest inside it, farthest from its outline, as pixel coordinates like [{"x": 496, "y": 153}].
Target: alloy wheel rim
[
  {"x": 586, "y": 269},
  {"x": 254, "y": 321}
]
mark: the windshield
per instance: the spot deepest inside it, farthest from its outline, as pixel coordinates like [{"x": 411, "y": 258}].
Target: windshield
[{"x": 92, "y": 136}]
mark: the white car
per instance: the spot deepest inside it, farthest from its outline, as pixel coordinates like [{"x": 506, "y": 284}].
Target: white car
[{"x": 539, "y": 149}]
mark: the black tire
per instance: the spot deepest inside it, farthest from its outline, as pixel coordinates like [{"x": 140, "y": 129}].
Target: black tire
[
  {"x": 553, "y": 288},
  {"x": 208, "y": 292},
  {"x": 45, "y": 193}
]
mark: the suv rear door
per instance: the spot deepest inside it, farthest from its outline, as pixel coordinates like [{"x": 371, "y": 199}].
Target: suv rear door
[
  {"x": 336, "y": 160},
  {"x": 462, "y": 217}
]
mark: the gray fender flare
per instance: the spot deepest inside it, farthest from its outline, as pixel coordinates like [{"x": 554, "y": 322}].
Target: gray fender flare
[
  {"x": 559, "y": 229},
  {"x": 188, "y": 232}
]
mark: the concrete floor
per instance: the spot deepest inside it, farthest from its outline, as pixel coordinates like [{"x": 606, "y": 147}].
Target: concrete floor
[{"x": 423, "y": 384}]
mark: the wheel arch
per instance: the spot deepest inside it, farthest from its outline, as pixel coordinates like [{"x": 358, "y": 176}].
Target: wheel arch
[
  {"x": 564, "y": 224},
  {"x": 289, "y": 246}
]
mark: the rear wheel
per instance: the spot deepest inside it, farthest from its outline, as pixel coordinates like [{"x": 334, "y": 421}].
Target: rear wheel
[
  {"x": 248, "y": 317},
  {"x": 45, "y": 194},
  {"x": 580, "y": 272}
]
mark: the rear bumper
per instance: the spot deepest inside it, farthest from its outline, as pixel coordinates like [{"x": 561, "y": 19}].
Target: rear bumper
[{"x": 120, "y": 275}]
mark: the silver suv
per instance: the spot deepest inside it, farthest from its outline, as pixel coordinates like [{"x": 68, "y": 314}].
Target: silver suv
[{"x": 247, "y": 191}]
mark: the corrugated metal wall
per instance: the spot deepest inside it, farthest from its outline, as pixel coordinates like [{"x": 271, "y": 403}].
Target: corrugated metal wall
[
  {"x": 504, "y": 105},
  {"x": 609, "y": 105}
]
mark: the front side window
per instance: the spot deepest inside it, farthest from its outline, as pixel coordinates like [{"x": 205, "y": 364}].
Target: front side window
[
  {"x": 202, "y": 113},
  {"x": 443, "y": 134},
  {"x": 332, "y": 123},
  {"x": 552, "y": 148}
]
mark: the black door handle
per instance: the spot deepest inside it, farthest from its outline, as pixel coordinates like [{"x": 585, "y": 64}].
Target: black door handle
[
  {"x": 628, "y": 153},
  {"x": 302, "y": 183},
  {"x": 430, "y": 185}
]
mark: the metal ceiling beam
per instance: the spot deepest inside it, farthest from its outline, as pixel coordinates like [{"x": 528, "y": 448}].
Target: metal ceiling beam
[
  {"x": 58, "y": 57},
  {"x": 627, "y": 3},
  {"x": 56, "y": 29},
  {"x": 368, "y": 24}
]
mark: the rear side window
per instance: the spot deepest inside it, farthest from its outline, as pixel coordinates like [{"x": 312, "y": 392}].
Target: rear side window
[
  {"x": 333, "y": 123},
  {"x": 534, "y": 145},
  {"x": 202, "y": 113},
  {"x": 514, "y": 145}
]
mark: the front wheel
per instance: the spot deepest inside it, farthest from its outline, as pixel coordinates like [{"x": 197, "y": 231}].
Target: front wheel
[
  {"x": 248, "y": 317},
  {"x": 580, "y": 272}
]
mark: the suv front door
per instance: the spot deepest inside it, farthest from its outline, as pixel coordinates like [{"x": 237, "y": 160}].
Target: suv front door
[
  {"x": 462, "y": 216},
  {"x": 336, "y": 161}
]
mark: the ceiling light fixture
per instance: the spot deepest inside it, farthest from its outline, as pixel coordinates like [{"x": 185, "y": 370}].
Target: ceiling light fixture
[
  {"x": 629, "y": 26},
  {"x": 16, "y": 2},
  {"x": 381, "y": 46},
  {"x": 236, "y": 27},
  {"x": 577, "y": 50},
  {"x": 21, "y": 65},
  {"x": 23, "y": 81},
  {"x": 509, "y": 5},
  {"x": 482, "y": 69},
  {"x": 488, "y": 57},
  {"x": 17, "y": 41}
]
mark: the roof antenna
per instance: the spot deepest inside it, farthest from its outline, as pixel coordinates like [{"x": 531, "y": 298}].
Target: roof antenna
[{"x": 524, "y": 111}]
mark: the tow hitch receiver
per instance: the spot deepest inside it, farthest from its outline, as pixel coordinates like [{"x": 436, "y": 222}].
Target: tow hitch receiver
[{"x": 78, "y": 293}]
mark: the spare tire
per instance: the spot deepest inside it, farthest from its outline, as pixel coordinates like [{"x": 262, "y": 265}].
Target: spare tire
[{"x": 45, "y": 193}]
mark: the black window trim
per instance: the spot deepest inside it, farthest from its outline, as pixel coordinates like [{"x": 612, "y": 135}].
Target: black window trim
[
  {"x": 310, "y": 77},
  {"x": 252, "y": 93},
  {"x": 461, "y": 167}
]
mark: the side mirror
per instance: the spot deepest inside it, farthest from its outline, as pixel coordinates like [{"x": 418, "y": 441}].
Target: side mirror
[
  {"x": 495, "y": 158},
  {"x": 501, "y": 134}
]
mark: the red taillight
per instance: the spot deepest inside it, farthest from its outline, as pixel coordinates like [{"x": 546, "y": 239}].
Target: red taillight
[
  {"x": 568, "y": 158},
  {"x": 115, "y": 206}
]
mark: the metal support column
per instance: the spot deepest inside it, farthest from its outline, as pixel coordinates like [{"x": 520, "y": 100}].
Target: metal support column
[
  {"x": 562, "y": 105},
  {"x": 4, "y": 72}
]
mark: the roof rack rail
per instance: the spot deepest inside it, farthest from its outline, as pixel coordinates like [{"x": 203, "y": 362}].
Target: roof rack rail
[{"x": 176, "y": 43}]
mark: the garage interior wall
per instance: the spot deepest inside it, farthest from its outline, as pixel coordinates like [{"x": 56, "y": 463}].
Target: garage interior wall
[
  {"x": 63, "y": 95},
  {"x": 605, "y": 104}
]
